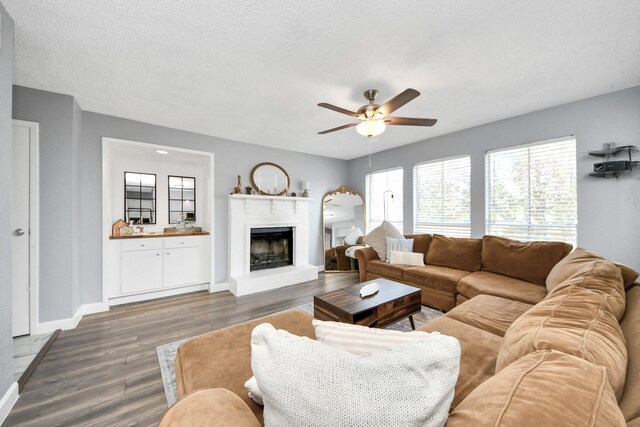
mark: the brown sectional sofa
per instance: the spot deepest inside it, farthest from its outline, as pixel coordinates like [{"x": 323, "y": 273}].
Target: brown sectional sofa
[
  {"x": 571, "y": 359},
  {"x": 458, "y": 269}
]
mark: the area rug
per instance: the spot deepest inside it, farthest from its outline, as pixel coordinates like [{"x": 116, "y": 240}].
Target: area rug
[{"x": 167, "y": 352}]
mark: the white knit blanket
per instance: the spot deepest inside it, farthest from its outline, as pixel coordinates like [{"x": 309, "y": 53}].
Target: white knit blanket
[{"x": 307, "y": 383}]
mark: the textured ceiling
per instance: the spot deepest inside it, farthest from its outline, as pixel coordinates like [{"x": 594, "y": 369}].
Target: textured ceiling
[{"x": 254, "y": 71}]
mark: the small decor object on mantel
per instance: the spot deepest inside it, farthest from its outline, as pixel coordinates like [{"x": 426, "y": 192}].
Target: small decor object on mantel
[
  {"x": 248, "y": 190},
  {"x": 293, "y": 194},
  {"x": 305, "y": 187},
  {"x": 238, "y": 189}
]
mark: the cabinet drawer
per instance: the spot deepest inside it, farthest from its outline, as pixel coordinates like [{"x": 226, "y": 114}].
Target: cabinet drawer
[
  {"x": 182, "y": 242},
  {"x": 141, "y": 244}
]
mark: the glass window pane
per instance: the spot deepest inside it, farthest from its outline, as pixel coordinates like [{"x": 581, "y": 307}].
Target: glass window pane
[
  {"x": 132, "y": 178},
  {"x": 175, "y": 193},
  {"x": 188, "y": 195},
  {"x": 148, "y": 179},
  {"x": 175, "y": 205},
  {"x": 175, "y": 182},
  {"x": 188, "y": 182}
]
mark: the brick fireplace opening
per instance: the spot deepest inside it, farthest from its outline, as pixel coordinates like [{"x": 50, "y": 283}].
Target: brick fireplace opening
[{"x": 271, "y": 247}]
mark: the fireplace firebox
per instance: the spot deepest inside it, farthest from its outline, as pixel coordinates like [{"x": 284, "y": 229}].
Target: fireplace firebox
[{"x": 271, "y": 247}]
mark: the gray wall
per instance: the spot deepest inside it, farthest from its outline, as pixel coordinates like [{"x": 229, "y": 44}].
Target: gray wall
[
  {"x": 65, "y": 157},
  {"x": 55, "y": 114},
  {"x": 6, "y": 80},
  {"x": 608, "y": 209}
]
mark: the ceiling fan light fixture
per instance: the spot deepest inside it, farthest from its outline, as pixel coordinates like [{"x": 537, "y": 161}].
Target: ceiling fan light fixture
[{"x": 371, "y": 127}]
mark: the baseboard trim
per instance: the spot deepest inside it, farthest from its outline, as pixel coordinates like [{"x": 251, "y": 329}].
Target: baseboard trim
[
  {"x": 218, "y": 287},
  {"x": 320, "y": 268},
  {"x": 71, "y": 323},
  {"x": 96, "y": 307},
  {"x": 8, "y": 400},
  {"x": 158, "y": 294}
]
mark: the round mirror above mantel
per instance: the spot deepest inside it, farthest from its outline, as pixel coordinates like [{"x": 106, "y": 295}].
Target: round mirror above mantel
[{"x": 270, "y": 179}]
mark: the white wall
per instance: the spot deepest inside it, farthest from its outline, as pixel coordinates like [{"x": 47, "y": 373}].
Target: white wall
[
  {"x": 124, "y": 160},
  {"x": 608, "y": 209}
]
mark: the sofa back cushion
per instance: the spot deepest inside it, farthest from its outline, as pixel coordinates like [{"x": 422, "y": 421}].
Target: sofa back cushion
[
  {"x": 601, "y": 276},
  {"x": 579, "y": 259},
  {"x": 575, "y": 321},
  {"x": 530, "y": 261},
  {"x": 377, "y": 238},
  {"x": 545, "y": 388},
  {"x": 630, "y": 401},
  {"x": 421, "y": 242},
  {"x": 455, "y": 252}
]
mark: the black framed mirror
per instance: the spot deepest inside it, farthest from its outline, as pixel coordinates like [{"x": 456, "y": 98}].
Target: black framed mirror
[
  {"x": 182, "y": 199},
  {"x": 140, "y": 197}
]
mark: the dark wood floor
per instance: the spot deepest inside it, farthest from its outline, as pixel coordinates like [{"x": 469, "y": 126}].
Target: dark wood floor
[{"x": 105, "y": 372}]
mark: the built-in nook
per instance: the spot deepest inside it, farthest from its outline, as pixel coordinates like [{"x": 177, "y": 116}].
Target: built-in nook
[{"x": 170, "y": 251}]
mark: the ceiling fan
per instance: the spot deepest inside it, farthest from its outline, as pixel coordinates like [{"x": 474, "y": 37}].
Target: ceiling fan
[{"x": 374, "y": 118}]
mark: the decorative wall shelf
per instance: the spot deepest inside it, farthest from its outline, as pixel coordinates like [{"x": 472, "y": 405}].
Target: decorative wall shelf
[{"x": 613, "y": 151}]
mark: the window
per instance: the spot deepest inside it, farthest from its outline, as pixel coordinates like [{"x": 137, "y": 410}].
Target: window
[
  {"x": 441, "y": 197},
  {"x": 384, "y": 198},
  {"x": 140, "y": 197},
  {"x": 531, "y": 191}
]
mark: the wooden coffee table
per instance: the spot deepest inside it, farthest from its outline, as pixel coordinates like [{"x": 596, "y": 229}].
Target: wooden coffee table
[{"x": 394, "y": 302}]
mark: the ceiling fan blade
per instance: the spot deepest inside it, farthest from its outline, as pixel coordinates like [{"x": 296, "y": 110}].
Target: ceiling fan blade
[
  {"x": 338, "y": 109},
  {"x": 350, "y": 125},
  {"x": 398, "y": 101},
  {"x": 407, "y": 121}
]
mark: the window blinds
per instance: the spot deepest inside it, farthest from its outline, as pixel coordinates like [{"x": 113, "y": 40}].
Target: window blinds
[
  {"x": 380, "y": 186},
  {"x": 441, "y": 197},
  {"x": 531, "y": 191}
]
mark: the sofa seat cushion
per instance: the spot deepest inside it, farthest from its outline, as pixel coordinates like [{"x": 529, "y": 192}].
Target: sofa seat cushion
[
  {"x": 441, "y": 278},
  {"x": 575, "y": 321},
  {"x": 222, "y": 358},
  {"x": 630, "y": 324},
  {"x": 381, "y": 268},
  {"x": 529, "y": 261},
  {"x": 479, "y": 350},
  {"x": 213, "y": 407},
  {"x": 485, "y": 283},
  {"x": 455, "y": 252},
  {"x": 545, "y": 388},
  {"x": 489, "y": 313}
]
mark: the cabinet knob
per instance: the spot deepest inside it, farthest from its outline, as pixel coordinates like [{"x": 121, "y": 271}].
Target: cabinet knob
[
  {"x": 142, "y": 244},
  {"x": 157, "y": 254},
  {"x": 182, "y": 243},
  {"x": 168, "y": 253}
]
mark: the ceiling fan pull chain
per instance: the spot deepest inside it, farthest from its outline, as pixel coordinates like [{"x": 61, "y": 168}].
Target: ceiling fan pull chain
[{"x": 369, "y": 144}]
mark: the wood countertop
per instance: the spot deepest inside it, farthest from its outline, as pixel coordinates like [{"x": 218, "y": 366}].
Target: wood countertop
[{"x": 159, "y": 234}]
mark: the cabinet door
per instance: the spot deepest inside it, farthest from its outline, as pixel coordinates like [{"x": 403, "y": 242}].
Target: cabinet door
[
  {"x": 141, "y": 271},
  {"x": 182, "y": 266}
]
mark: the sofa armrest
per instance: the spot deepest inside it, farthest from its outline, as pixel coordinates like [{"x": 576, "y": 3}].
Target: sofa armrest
[
  {"x": 214, "y": 407},
  {"x": 364, "y": 256}
]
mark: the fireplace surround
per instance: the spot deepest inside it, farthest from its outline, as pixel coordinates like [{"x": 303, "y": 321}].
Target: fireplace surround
[{"x": 270, "y": 262}]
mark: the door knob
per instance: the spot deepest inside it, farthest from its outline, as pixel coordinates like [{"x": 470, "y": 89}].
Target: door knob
[{"x": 18, "y": 232}]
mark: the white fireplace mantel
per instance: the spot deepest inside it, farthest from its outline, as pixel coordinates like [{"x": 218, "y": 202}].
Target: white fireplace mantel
[{"x": 251, "y": 211}]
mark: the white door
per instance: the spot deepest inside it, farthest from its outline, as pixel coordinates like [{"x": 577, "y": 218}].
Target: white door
[{"x": 20, "y": 230}]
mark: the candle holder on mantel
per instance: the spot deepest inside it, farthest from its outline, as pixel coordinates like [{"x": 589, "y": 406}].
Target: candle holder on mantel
[{"x": 270, "y": 179}]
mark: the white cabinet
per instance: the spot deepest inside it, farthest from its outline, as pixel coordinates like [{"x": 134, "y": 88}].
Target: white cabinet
[
  {"x": 182, "y": 266},
  {"x": 150, "y": 265},
  {"x": 141, "y": 270}
]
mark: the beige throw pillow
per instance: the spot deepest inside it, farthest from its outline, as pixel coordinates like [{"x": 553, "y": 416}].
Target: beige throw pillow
[
  {"x": 377, "y": 238},
  {"x": 407, "y": 258},
  {"x": 579, "y": 259},
  {"x": 361, "y": 339}
]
